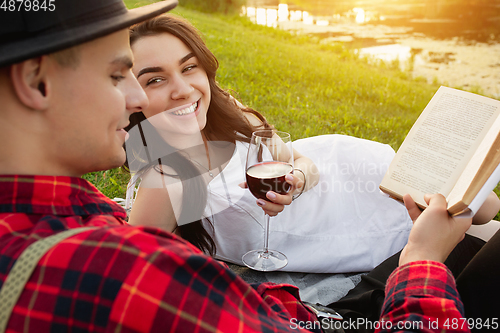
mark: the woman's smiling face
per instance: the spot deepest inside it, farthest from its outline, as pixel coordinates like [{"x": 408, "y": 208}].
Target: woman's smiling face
[{"x": 175, "y": 83}]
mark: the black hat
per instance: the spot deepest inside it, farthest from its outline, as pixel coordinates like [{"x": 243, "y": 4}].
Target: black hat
[{"x": 58, "y": 24}]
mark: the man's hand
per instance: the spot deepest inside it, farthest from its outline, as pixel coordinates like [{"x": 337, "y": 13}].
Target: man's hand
[
  {"x": 413, "y": 210},
  {"x": 435, "y": 233}
]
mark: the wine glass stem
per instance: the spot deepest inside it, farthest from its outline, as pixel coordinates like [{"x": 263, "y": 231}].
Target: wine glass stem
[{"x": 266, "y": 237}]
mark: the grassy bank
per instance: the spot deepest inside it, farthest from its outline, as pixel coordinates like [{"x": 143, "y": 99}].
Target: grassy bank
[
  {"x": 303, "y": 87},
  {"x": 309, "y": 89}
]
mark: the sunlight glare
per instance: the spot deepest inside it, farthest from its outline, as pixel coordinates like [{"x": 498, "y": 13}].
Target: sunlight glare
[
  {"x": 282, "y": 12},
  {"x": 389, "y": 53},
  {"x": 295, "y": 15},
  {"x": 272, "y": 17},
  {"x": 308, "y": 19},
  {"x": 261, "y": 16},
  {"x": 360, "y": 15},
  {"x": 250, "y": 11}
]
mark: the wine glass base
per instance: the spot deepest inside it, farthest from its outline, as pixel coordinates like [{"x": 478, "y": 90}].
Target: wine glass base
[{"x": 263, "y": 261}]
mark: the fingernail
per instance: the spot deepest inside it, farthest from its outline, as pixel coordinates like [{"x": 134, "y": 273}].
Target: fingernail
[
  {"x": 261, "y": 202},
  {"x": 271, "y": 195},
  {"x": 289, "y": 177}
]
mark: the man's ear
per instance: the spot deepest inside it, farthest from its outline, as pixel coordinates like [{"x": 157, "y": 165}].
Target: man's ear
[{"x": 30, "y": 83}]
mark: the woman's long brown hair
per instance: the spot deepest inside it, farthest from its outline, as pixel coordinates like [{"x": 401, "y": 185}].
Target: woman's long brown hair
[{"x": 225, "y": 118}]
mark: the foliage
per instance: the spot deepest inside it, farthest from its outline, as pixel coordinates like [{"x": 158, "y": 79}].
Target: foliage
[
  {"x": 307, "y": 88},
  {"x": 137, "y": 3},
  {"x": 214, "y": 6},
  {"x": 113, "y": 183}
]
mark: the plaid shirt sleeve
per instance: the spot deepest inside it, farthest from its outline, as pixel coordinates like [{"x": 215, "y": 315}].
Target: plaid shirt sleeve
[
  {"x": 284, "y": 300},
  {"x": 421, "y": 296}
]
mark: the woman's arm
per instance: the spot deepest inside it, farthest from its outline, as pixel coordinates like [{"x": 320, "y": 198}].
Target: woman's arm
[
  {"x": 156, "y": 203},
  {"x": 310, "y": 170},
  {"x": 488, "y": 210}
]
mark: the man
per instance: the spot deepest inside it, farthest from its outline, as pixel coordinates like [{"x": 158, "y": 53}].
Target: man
[{"x": 67, "y": 92}]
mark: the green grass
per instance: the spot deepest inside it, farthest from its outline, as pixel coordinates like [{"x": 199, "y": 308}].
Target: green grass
[
  {"x": 309, "y": 89},
  {"x": 302, "y": 86},
  {"x": 113, "y": 183}
]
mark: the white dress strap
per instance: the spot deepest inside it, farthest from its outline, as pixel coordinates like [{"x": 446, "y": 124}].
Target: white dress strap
[{"x": 131, "y": 190}]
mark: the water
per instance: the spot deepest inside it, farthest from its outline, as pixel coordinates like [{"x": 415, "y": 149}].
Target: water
[{"x": 455, "y": 45}]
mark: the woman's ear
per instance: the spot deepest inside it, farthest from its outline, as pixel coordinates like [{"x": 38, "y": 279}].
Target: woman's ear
[{"x": 29, "y": 82}]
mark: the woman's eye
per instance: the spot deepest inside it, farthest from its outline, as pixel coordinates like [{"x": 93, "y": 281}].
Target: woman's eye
[
  {"x": 188, "y": 68},
  {"x": 153, "y": 80}
]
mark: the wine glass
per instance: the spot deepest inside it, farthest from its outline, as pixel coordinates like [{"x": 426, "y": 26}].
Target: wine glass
[{"x": 269, "y": 160}]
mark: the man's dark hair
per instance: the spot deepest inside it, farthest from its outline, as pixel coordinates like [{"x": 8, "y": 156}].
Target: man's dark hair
[{"x": 68, "y": 58}]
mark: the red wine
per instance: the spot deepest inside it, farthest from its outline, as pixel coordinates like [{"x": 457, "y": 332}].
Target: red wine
[{"x": 268, "y": 176}]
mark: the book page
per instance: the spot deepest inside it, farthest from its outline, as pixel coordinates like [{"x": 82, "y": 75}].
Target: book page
[
  {"x": 478, "y": 170},
  {"x": 440, "y": 144},
  {"x": 483, "y": 193}
]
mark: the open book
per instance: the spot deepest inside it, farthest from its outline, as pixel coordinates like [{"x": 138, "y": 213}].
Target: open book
[{"x": 453, "y": 149}]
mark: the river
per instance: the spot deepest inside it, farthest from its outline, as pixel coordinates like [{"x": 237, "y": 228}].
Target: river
[{"x": 457, "y": 46}]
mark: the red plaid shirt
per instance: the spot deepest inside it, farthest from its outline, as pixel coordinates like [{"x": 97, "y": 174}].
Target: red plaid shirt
[
  {"x": 421, "y": 297},
  {"x": 123, "y": 278}
]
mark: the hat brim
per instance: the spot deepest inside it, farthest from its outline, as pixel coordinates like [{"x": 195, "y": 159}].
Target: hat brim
[{"x": 35, "y": 46}]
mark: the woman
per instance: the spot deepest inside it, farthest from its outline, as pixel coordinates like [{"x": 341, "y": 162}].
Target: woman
[
  {"x": 227, "y": 122},
  {"x": 345, "y": 224}
]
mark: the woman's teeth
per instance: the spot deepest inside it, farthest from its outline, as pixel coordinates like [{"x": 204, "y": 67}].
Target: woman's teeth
[{"x": 185, "y": 111}]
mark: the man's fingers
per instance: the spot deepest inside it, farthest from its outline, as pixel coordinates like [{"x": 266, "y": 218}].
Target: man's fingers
[
  {"x": 463, "y": 222},
  {"x": 411, "y": 207},
  {"x": 436, "y": 199}
]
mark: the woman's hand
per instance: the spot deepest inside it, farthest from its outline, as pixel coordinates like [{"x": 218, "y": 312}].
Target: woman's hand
[{"x": 275, "y": 202}]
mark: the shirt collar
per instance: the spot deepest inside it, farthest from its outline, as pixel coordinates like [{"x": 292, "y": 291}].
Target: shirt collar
[{"x": 54, "y": 195}]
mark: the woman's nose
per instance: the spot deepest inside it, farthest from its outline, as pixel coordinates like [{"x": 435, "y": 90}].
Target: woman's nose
[{"x": 181, "y": 88}]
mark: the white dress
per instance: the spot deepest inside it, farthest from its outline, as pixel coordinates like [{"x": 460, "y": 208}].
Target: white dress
[{"x": 343, "y": 224}]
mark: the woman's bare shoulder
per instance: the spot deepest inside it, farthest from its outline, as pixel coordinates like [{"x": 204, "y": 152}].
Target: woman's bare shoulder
[
  {"x": 159, "y": 177},
  {"x": 252, "y": 119}
]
